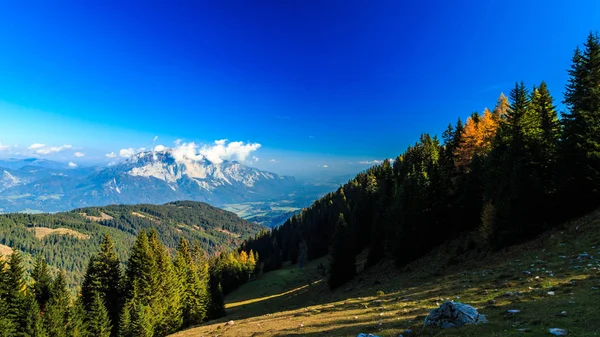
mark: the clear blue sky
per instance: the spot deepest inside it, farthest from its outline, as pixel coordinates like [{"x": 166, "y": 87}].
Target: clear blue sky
[{"x": 314, "y": 82}]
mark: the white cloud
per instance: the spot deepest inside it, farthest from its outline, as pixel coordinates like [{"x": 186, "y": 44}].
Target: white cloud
[
  {"x": 72, "y": 164},
  {"x": 325, "y": 166},
  {"x": 273, "y": 161},
  {"x": 217, "y": 152},
  {"x": 372, "y": 162},
  {"x": 187, "y": 151},
  {"x": 126, "y": 153},
  {"x": 4, "y": 147},
  {"x": 50, "y": 149},
  {"x": 78, "y": 154},
  {"x": 178, "y": 141},
  {"x": 222, "y": 150},
  {"x": 155, "y": 138},
  {"x": 36, "y": 146}
]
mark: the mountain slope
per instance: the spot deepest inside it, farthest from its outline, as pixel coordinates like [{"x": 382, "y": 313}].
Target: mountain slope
[
  {"x": 148, "y": 177},
  {"x": 553, "y": 281},
  {"x": 68, "y": 239}
]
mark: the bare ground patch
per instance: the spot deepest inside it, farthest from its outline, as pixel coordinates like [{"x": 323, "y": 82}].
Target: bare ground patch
[
  {"x": 103, "y": 216},
  {"x": 41, "y": 232}
]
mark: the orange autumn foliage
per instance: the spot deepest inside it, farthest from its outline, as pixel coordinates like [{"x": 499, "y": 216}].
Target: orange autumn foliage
[{"x": 477, "y": 137}]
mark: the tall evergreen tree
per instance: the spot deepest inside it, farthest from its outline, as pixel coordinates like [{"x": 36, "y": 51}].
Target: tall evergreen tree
[
  {"x": 343, "y": 260},
  {"x": 97, "y": 321},
  {"x": 31, "y": 321},
  {"x": 168, "y": 308},
  {"x": 7, "y": 324},
  {"x": 41, "y": 282},
  {"x": 194, "y": 296},
  {"x": 15, "y": 291},
  {"x": 580, "y": 150},
  {"x": 103, "y": 277},
  {"x": 57, "y": 314}
]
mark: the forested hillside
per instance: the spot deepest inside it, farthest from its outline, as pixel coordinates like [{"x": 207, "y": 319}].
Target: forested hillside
[
  {"x": 67, "y": 240},
  {"x": 504, "y": 174}
]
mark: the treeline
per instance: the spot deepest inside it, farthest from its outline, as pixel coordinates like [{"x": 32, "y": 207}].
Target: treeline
[
  {"x": 506, "y": 174},
  {"x": 154, "y": 296}
]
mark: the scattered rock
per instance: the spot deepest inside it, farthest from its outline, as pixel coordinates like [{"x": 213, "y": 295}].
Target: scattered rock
[
  {"x": 558, "y": 332},
  {"x": 551, "y": 293},
  {"x": 454, "y": 314},
  {"x": 230, "y": 323}
]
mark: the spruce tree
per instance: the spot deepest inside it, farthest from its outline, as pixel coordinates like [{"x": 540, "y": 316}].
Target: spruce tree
[
  {"x": 15, "y": 291},
  {"x": 580, "y": 150},
  {"x": 41, "y": 282},
  {"x": 75, "y": 322},
  {"x": 194, "y": 293},
  {"x": 57, "y": 310},
  {"x": 97, "y": 321},
  {"x": 31, "y": 321},
  {"x": 216, "y": 308},
  {"x": 343, "y": 260},
  {"x": 168, "y": 308},
  {"x": 103, "y": 277},
  {"x": 7, "y": 325}
]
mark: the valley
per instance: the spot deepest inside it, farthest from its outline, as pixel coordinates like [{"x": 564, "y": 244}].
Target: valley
[{"x": 68, "y": 239}]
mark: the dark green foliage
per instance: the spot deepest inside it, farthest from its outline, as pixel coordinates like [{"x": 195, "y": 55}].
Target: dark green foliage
[
  {"x": 97, "y": 322},
  {"x": 31, "y": 324},
  {"x": 41, "y": 282},
  {"x": 528, "y": 171},
  {"x": 103, "y": 278},
  {"x": 56, "y": 315},
  {"x": 580, "y": 146},
  {"x": 343, "y": 260},
  {"x": 192, "y": 220}
]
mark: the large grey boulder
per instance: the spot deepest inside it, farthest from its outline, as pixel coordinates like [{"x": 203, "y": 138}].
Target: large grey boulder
[{"x": 454, "y": 314}]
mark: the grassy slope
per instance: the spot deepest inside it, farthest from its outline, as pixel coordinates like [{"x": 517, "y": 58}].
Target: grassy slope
[{"x": 290, "y": 302}]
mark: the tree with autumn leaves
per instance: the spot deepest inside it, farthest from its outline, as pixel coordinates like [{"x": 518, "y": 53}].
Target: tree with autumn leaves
[{"x": 506, "y": 174}]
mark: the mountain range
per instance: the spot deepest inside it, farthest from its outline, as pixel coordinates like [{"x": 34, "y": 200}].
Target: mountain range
[{"x": 39, "y": 185}]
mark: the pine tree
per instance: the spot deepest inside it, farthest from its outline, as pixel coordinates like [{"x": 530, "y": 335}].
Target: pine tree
[
  {"x": 580, "y": 150},
  {"x": 216, "y": 307},
  {"x": 343, "y": 260},
  {"x": 14, "y": 291},
  {"x": 167, "y": 310},
  {"x": 97, "y": 322},
  {"x": 75, "y": 322},
  {"x": 7, "y": 325},
  {"x": 41, "y": 282},
  {"x": 57, "y": 314},
  {"x": 103, "y": 277},
  {"x": 31, "y": 322},
  {"x": 194, "y": 296}
]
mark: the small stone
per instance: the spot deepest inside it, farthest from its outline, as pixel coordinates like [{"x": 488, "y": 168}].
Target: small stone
[
  {"x": 563, "y": 313},
  {"x": 558, "y": 332},
  {"x": 301, "y": 325},
  {"x": 230, "y": 323},
  {"x": 551, "y": 293}
]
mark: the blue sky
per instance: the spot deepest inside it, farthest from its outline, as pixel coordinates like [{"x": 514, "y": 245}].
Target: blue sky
[{"x": 314, "y": 83}]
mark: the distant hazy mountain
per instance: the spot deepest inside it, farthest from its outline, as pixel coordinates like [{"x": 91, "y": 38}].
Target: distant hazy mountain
[{"x": 148, "y": 177}]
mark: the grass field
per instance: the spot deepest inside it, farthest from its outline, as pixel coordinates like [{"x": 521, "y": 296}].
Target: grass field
[{"x": 553, "y": 281}]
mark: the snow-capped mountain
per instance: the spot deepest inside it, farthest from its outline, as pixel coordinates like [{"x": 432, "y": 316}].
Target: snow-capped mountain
[{"x": 147, "y": 177}]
